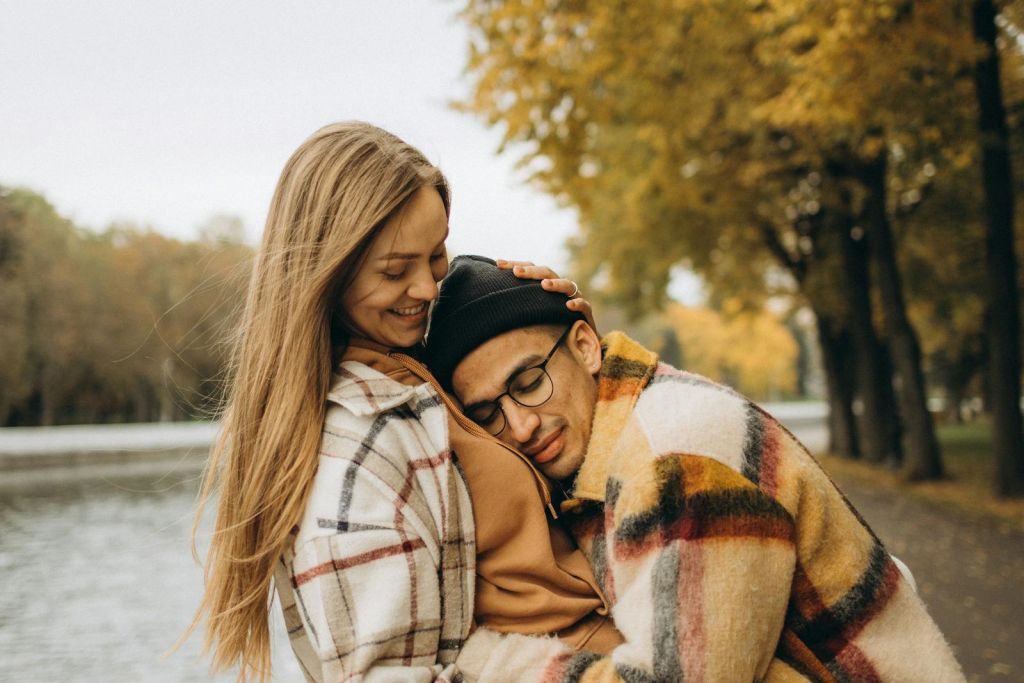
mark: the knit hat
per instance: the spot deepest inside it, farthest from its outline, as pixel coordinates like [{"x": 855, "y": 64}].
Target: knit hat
[{"x": 477, "y": 302}]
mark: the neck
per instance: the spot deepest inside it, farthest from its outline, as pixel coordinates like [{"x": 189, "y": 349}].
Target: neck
[{"x": 365, "y": 343}]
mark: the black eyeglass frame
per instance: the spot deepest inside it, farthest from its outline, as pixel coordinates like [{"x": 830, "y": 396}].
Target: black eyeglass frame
[{"x": 496, "y": 401}]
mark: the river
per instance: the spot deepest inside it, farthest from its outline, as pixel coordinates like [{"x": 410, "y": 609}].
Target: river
[{"x": 98, "y": 581}]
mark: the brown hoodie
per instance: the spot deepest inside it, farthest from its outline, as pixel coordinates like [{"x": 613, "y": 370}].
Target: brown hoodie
[{"x": 531, "y": 577}]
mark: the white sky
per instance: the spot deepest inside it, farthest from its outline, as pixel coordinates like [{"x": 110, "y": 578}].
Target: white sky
[{"x": 166, "y": 113}]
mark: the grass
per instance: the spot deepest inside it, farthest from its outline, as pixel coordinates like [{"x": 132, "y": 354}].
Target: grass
[{"x": 970, "y": 469}]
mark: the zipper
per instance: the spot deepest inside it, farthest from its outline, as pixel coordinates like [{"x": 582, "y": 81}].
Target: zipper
[{"x": 417, "y": 368}]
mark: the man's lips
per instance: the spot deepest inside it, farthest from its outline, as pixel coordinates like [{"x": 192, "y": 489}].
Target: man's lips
[{"x": 547, "y": 448}]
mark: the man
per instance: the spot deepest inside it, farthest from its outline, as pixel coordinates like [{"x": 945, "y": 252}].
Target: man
[{"x": 727, "y": 553}]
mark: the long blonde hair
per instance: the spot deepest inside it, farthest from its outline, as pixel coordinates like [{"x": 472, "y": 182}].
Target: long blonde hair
[{"x": 335, "y": 193}]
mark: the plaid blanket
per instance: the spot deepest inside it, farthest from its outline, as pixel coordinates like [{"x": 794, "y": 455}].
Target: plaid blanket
[
  {"x": 377, "y": 582},
  {"x": 727, "y": 552}
]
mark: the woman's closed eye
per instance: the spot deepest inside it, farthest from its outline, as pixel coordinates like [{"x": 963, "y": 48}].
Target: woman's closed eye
[{"x": 400, "y": 274}]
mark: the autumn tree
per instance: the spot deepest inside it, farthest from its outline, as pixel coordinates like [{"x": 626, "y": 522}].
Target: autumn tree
[
  {"x": 14, "y": 376},
  {"x": 1003, "y": 311},
  {"x": 676, "y": 129},
  {"x": 123, "y": 325},
  {"x": 750, "y": 349}
]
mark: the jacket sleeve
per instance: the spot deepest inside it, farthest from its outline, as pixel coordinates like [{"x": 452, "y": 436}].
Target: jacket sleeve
[
  {"x": 369, "y": 597},
  {"x": 699, "y": 566}
]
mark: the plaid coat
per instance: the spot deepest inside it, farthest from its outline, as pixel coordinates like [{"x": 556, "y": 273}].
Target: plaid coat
[
  {"x": 727, "y": 552},
  {"x": 377, "y": 581}
]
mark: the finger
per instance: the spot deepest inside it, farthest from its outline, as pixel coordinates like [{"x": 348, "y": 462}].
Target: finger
[
  {"x": 532, "y": 272},
  {"x": 505, "y": 264},
  {"x": 560, "y": 285}
]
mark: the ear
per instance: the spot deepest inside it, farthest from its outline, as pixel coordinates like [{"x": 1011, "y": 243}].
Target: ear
[{"x": 586, "y": 346}]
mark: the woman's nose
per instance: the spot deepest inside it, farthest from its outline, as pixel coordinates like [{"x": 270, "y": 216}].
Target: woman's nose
[{"x": 423, "y": 287}]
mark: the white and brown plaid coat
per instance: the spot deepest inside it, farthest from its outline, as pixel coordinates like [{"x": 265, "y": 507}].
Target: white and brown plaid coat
[{"x": 377, "y": 582}]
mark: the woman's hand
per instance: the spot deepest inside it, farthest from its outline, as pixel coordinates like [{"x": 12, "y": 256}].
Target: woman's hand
[{"x": 550, "y": 281}]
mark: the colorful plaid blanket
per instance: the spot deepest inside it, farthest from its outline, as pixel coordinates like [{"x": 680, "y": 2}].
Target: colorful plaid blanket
[{"x": 727, "y": 552}]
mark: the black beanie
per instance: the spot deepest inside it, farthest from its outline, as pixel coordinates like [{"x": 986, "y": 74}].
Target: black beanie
[{"x": 479, "y": 301}]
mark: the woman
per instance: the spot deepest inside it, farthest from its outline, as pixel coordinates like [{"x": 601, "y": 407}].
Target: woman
[{"x": 334, "y": 472}]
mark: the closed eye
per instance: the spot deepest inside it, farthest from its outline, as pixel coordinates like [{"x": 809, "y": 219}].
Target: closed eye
[
  {"x": 533, "y": 384},
  {"x": 483, "y": 414}
]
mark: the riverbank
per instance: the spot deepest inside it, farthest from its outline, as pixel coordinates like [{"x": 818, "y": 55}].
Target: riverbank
[
  {"x": 32, "y": 457},
  {"x": 75, "y": 445}
]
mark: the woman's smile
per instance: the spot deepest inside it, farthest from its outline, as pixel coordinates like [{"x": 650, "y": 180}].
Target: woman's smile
[{"x": 414, "y": 314}]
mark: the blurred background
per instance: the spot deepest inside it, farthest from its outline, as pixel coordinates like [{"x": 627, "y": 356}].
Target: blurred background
[{"x": 815, "y": 203}]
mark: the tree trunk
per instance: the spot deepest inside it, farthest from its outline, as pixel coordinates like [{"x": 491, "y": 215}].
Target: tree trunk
[
  {"x": 891, "y": 406},
  {"x": 835, "y": 345},
  {"x": 47, "y": 409},
  {"x": 924, "y": 461},
  {"x": 955, "y": 394},
  {"x": 1002, "y": 321},
  {"x": 957, "y": 372},
  {"x": 876, "y": 421}
]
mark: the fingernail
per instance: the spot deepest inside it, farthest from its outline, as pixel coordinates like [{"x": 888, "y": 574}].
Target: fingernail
[{"x": 545, "y": 283}]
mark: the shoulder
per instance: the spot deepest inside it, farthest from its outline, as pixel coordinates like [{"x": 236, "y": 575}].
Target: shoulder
[
  {"x": 384, "y": 448},
  {"x": 367, "y": 410},
  {"x": 365, "y": 392},
  {"x": 361, "y": 398},
  {"x": 680, "y": 412}
]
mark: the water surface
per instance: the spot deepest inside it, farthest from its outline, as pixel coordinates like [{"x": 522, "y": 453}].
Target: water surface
[{"x": 98, "y": 580}]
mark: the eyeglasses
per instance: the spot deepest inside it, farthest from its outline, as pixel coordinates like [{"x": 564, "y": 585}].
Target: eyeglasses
[{"x": 529, "y": 388}]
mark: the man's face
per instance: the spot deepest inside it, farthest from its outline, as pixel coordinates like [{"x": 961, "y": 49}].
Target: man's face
[{"x": 554, "y": 435}]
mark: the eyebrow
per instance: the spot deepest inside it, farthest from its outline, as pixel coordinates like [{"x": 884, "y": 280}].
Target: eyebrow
[
  {"x": 410, "y": 255},
  {"x": 524, "y": 364}
]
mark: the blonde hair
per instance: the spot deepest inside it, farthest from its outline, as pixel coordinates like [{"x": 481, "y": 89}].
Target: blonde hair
[{"x": 334, "y": 195}]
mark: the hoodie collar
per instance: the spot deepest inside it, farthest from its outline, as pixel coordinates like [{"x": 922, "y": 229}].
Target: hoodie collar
[{"x": 626, "y": 369}]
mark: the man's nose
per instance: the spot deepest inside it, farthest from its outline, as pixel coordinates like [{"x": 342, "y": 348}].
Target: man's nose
[{"x": 522, "y": 422}]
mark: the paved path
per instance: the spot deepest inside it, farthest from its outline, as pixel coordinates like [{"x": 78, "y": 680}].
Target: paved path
[{"x": 969, "y": 572}]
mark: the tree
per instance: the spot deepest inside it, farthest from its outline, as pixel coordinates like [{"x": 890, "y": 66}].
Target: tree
[
  {"x": 14, "y": 377},
  {"x": 630, "y": 120},
  {"x": 1003, "y": 314},
  {"x": 121, "y": 325}
]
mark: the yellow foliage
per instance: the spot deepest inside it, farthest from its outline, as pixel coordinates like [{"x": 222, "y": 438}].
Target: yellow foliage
[
  {"x": 722, "y": 136},
  {"x": 671, "y": 122},
  {"x": 751, "y": 351}
]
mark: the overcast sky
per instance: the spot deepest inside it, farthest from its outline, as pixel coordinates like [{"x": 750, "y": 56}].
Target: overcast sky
[{"x": 166, "y": 113}]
